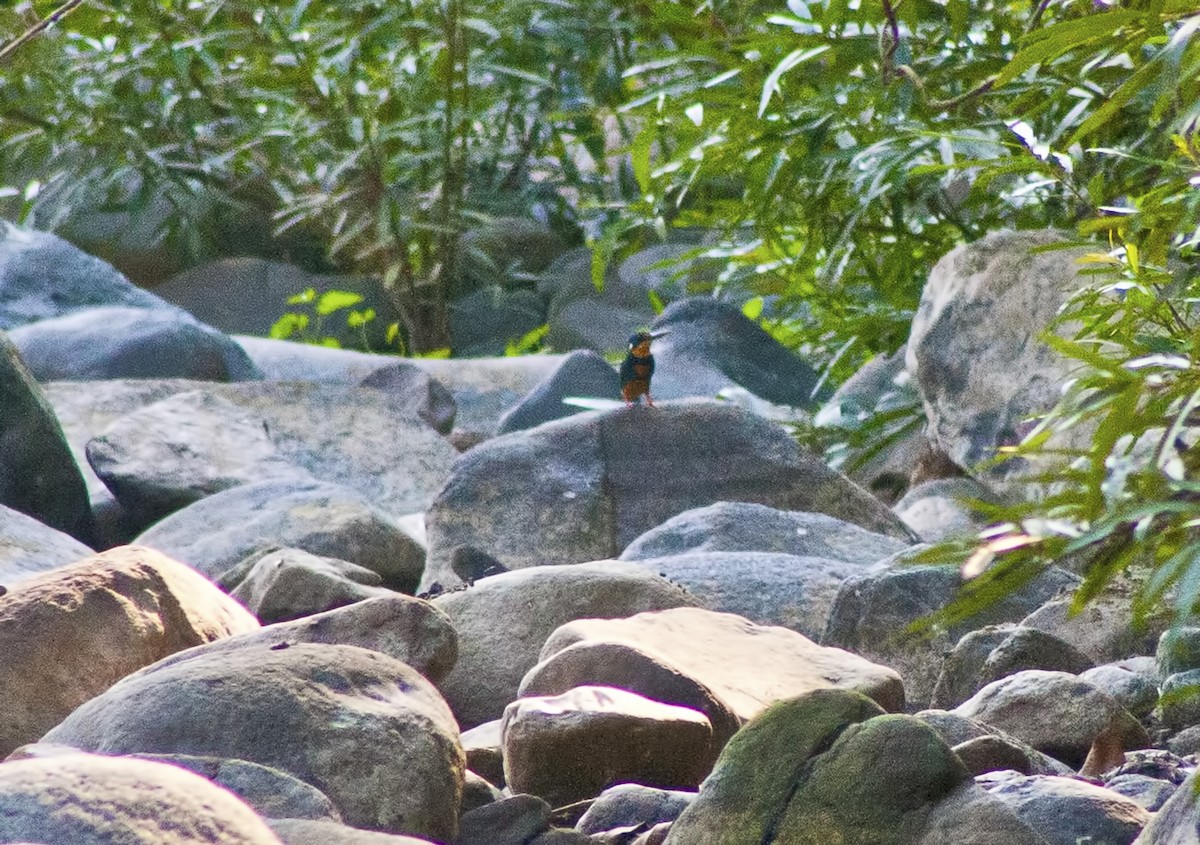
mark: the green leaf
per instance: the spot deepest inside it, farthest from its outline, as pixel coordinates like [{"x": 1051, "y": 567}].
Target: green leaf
[
  {"x": 753, "y": 307},
  {"x": 336, "y": 300},
  {"x": 305, "y": 296},
  {"x": 288, "y": 325},
  {"x": 771, "y": 84}
]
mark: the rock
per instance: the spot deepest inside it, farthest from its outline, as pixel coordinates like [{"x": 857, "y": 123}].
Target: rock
[
  {"x": 1133, "y": 682},
  {"x": 631, "y": 804},
  {"x": 873, "y": 613},
  {"x": 478, "y": 792},
  {"x": 43, "y": 276},
  {"x": 165, "y": 456},
  {"x": 316, "y": 832},
  {"x": 1029, "y": 648},
  {"x": 581, "y": 373},
  {"x": 290, "y": 584},
  {"x": 511, "y": 821},
  {"x": 940, "y": 509},
  {"x": 740, "y": 670},
  {"x": 822, "y": 768},
  {"x": 958, "y": 679},
  {"x": 974, "y": 351},
  {"x": 406, "y": 629},
  {"x": 38, "y": 475},
  {"x": 365, "y": 729},
  {"x": 1066, "y": 811},
  {"x": 767, "y": 588},
  {"x": 960, "y": 731},
  {"x": 591, "y": 325},
  {"x": 246, "y": 295},
  {"x": 29, "y": 547},
  {"x": 584, "y": 487},
  {"x": 219, "y": 531},
  {"x": 272, "y": 793},
  {"x": 971, "y": 816},
  {"x": 97, "y": 620},
  {"x": 503, "y": 621},
  {"x": 1150, "y": 793},
  {"x": 122, "y": 342},
  {"x": 1178, "y": 650},
  {"x": 994, "y": 753},
  {"x": 1152, "y": 762},
  {"x": 1179, "y": 700},
  {"x": 1178, "y": 821},
  {"x": 712, "y": 345},
  {"x": 471, "y": 564},
  {"x": 483, "y": 323},
  {"x": 82, "y": 798},
  {"x": 1054, "y": 712},
  {"x": 485, "y": 388},
  {"x": 750, "y": 527},
  {"x": 412, "y": 389},
  {"x": 572, "y": 746},
  {"x": 485, "y": 751},
  {"x": 1186, "y": 741},
  {"x": 1104, "y": 629},
  {"x": 879, "y": 386}
]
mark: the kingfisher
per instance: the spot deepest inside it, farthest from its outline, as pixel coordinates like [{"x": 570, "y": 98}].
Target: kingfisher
[{"x": 638, "y": 367}]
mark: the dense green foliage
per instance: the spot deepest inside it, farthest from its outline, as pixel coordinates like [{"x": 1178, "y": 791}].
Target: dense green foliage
[{"x": 831, "y": 152}]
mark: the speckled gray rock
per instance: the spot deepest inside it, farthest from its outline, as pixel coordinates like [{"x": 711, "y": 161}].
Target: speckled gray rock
[
  {"x": 631, "y": 804},
  {"x": 1178, "y": 650},
  {"x": 82, "y": 798},
  {"x": 959, "y": 731},
  {"x": 958, "y": 678},
  {"x": 1067, "y": 811},
  {"x": 122, "y": 342},
  {"x": 290, "y": 583},
  {"x": 515, "y": 820},
  {"x": 873, "y": 612},
  {"x": 1104, "y": 629},
  {"x": 503, "y": 621},
  {"x": 1179, "y": 699},
  {"x": 38, "y": 475},
  {"x": 1133, "y": 682},
  {"x": 751, "y": 527},
  {"x": 219, "y": 531},
  {"x": 971, "y": 816},
  {"x": 365, "y": 729},
  {"x": 317, "y": 832},
  {"x": 584, "y": 487},
  {"x": 582, "y": 373},
  {"x": 29, "y": 547},
  {"x": 974, "y": 352},
  {"x": 941, "y": 509},
  {"x": 1178, "y": 821},
  {"x": 1150, "y": 792}
]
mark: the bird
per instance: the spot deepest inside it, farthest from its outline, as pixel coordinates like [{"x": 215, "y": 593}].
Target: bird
[
  {"x": 638, "y": 368},
  {"x": 470, "y": 564}
]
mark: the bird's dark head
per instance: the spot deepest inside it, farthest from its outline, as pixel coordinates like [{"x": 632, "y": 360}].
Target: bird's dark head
[{"x": 639, "y": 342}]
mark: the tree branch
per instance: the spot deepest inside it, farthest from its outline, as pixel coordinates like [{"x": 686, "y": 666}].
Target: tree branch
[{"x": 37, "y": 29}]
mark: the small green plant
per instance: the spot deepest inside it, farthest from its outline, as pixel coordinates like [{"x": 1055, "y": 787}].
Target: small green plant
[{"x": 311, "y": 324}]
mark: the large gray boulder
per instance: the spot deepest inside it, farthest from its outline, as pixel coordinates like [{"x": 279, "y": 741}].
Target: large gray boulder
[
  {"x": 219, "y": 531},
  {"x": 1067, "y": 811},
  {"x": 84, "y": 798},
  {"x": 873, "y": 615},
  {"x": 289, "y": 584},
  {"x": 38, "y": 474},
  {"x": 365, "y": 729},
  {"x": 751, "y": 527},
  {"x": 584, "y": 487},
  {"x": 582, "y": 373},
  {"x": 28, "y": 547},
  {"x": 121, "y": 342},
  {"x": 504, "y": 620},
  {"x": 70, "y": 633},
  {"x": 1178, "y": 822},
  {"x": 974, "y": 352},
  {"x": 43, "y": 276}
]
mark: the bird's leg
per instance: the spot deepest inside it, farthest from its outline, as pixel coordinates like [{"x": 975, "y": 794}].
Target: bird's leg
[{"x": 649, "y": 400}]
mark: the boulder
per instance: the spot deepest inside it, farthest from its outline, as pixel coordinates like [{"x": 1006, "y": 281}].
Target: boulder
[
  {"x": 70, "y": 633},
  {"x": 1055, "y": 712},
  {"x": 43, "y": 276},
  {"x": 985, "y": 746},
  {"x": 290, "y": 584},
  {"x": 485, "y": 751},
  {"x": 82, "y": 798},
  {"x": 484, "y": 322},
  {"x": 246, "y": 295},
  {"x": 1178, "y": 821},
  {"x": 503, "y": 621},
  {"x": 569, "y": 747},
  {"x": 971, "y": 816},
  {"x": 514, "y": 820},
  {"x": 1178, "y": 650},
  {"x": 1067, "y": 811},
  {"x": 165, "y": 456},
  {"x": 581, "y": 373},
  {"x": 1133, "y": 682},
  {"x": 1149, "y": 793},
  {"x": 1179, "y": 700},
  {"x": 873, "y": 614},
  {"x": 318, "y": 832},
  {"x": 751, "y": 527},
  {"x": 406, "y": 629},
  {"x": 824, "y": 767},
  {"x": 121, "y": 342},
  {"x": 29, "y": 547},
  {"x": 958, "y": 678},
  {"x": 941, "y": 509},
  {"x": 365, "y": 729},
  {"x": 272, "y": 793},
  {"x": 584, "y": 487},
  {"x": 219, "y": 531},
  {"x": 767, "y": 588},
  {"x": 38, "y": 475},
  {"x": 974, "y": 351},
  {"x": 713, "y": 345},
  {"x": 722, "y": 665},
  {"x": 412, "y": 389},
  {"x": 1106, "y": 629},
  {"x": 631, "y": 804}
]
